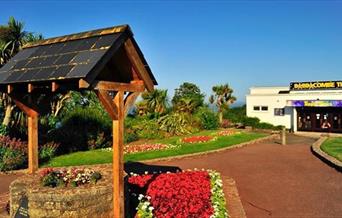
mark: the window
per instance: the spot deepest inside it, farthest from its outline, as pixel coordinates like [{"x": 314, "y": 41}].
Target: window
[
  {"x": 256, "y": 108},
  {"x": 279, "y": 111},
  {"x": 264, "y": 108}
]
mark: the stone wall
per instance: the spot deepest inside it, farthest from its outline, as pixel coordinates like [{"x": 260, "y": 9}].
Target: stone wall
[{"x": 84, "y": 201}]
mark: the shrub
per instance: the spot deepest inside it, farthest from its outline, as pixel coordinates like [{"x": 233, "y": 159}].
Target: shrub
[
  {"x": 236, "y": 114},
  {"x": 13, "y": 153},
  {"x": 4, "y": 130},
  {"x": 251, "y": 121},
  {"x": 82, "y": 129},
  {"x": 175, "y": 123},
  {"x": 141, "y": 127},
  {"x": 207, "y": 118},
  {"x": 48, "y": 151},
  {"x": 264, "y": 125}
]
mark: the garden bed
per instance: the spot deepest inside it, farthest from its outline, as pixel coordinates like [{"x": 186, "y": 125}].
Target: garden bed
[
  {"x": 100, "y": 156},
  {"x": 179, "y": 194}
]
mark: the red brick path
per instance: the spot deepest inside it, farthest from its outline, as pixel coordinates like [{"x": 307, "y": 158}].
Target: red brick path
[{"x": 277, "y": 181}]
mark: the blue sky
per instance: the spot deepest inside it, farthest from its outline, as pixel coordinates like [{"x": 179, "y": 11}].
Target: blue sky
[{"x": 243, "y": 43}]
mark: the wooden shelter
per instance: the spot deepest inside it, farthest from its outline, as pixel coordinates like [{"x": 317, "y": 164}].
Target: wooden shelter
[{"x": 107, "y": 61}]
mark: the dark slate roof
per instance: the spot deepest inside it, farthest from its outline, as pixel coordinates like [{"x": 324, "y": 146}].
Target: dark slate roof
[{"x": 67, "y": 57}]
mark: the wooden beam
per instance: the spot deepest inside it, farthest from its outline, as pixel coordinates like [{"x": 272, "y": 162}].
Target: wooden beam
[
  {"x": 54, "y": 86},
  {"x": 107, "y": 102},
  {"x": 118, "y": 159},
  {"x": 32, "y": 143},
  {"x": 9, "y": 89},
  {"x": 137, "y": 86},
  {"x": 82, "y": 84},
  {"x": 30, "y": 87},
  {"x": 129, "y": 100},
  {"x": 138, "y": 64},
  {"x": 31, "y": 110}
]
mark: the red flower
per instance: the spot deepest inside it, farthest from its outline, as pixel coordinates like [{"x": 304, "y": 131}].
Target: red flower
[
  {"x": 185, "y": 194},
  {"x": 197, "y": 139}
]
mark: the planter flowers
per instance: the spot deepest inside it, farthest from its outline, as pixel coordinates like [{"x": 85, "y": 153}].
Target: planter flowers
[
  {"x": 65, "y": 177},
  {"x": 197, "y": 139},
  {"x": 182, "y": 194}
]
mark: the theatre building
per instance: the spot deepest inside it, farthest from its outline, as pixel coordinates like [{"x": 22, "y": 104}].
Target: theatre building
[{"x": 303, "y": 106}]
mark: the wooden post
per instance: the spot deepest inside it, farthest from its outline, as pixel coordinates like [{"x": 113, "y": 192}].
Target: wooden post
[
  {"x": 31, "y": 111},
  {"x": 118, "y": 159},
  {"x": 32, "y": 143}
]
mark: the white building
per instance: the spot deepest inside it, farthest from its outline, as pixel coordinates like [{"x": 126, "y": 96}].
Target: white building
[{"x": 304, "y": 106}]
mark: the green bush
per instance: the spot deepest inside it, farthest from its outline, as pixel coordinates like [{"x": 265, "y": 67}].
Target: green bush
[
  {"x": 251, "y": 121},
  {"x": 82, "y": 129},
  {"x": 142, "y": 127},
  {"x": 207, "y": 118},
  {"x": 48, "y": 151},
  {"x": 175, "y": 123},
  {"x": 236, "y": 114}
]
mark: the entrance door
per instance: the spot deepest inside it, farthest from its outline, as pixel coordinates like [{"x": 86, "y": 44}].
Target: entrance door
[
  {"x": 336, "y": 121},
  {"x": 319, "y": 119}
]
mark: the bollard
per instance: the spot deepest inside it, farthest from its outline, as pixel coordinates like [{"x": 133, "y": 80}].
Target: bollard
[{"x": 283, "y": 136}]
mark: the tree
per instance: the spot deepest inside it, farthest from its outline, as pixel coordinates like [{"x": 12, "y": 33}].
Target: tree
[
  {"x": 155, "y": 101},
  {"x": 12, "y": 37},
  {"x": 222, "y": 97},
  {"x": 186, "y": 93}
]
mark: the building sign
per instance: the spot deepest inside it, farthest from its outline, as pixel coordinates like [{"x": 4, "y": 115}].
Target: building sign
[
  {"x": 316, "y": 85},
  {"x": 314, "y": 103}
]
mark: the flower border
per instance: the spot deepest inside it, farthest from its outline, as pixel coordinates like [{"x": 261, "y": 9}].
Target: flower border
[{"x": 218, "y": 201}]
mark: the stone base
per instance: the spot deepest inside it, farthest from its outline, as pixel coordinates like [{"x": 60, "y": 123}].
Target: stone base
[{"x": 84, "y": 201}]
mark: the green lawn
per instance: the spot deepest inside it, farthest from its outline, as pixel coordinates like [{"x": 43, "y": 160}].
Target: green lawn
[
  {"x": 333, "y": 147},
  {"x": 100, "y": 156}
]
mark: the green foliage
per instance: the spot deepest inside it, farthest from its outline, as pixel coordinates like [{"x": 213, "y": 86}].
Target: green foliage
[
  {"x": 188, "y": 92},
  {"x": 175, "y": 123},
  {"x": 83, "y": 129},
  {"x": 96, "y": 176},
  {"x": 52, "y": 180},
  {"x": 236, "y": 114},
  {"x": 48, "y": 151},
  {"x": 3, "y": 130},
  {"x": 207, "y": 118},
  {"x": 141, "y": 127},
  {"x": 153, "y": 102},
  {"x": 251, "y": 121}
]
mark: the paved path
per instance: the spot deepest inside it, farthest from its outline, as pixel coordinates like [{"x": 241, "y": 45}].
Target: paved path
[
  {"x": 275, "y": 180},
  {"x": 5, "y": 181}
]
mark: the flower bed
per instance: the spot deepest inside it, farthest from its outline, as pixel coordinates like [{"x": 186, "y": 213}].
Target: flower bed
[
  {"x": 197, "y": 139},
  {"x": 136, "y": 148},
  {"x": 65, "y": 177},
  {"x": 228, "y": 132},
  {"x": 182, "y": 194}
]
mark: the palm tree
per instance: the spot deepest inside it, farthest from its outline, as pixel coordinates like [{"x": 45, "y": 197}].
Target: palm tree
[
  {"x": 156, "y": 101},
  {"x": 186, "y": 105},
  {"x": 222, "y": 97},
  {"x": 12, "y": 37}
]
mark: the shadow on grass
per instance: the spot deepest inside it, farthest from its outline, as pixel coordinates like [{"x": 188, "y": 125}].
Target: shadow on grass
[{"x": 132, "y": 192}]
